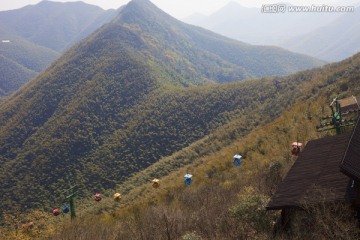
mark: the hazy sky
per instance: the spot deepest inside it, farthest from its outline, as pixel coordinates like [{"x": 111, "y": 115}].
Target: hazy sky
[{"x": 179, "y": 8}]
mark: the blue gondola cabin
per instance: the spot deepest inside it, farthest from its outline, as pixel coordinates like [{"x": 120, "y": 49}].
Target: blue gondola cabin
[
  {"x": 188, "y": 179},
  {"x": 66, "y": 209},
  {"x": 237, "y": 160}
]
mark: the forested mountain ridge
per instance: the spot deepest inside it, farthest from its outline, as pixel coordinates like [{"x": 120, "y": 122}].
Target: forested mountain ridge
[
  {"x": 51, "y": 24},
  {"x": 224, "y": 201},
  {"x": 296, "y": 96},
  {"x": 21, "y": 60},
  {"x": 237, "y": 59},
  {"x": 35, "y": 35},
  {"x": 12, "y": 75},
  {"x": 44, "y": 30},
  {"x": 117, "y": 101}
]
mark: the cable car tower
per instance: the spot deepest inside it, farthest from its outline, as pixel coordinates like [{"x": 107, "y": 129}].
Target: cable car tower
[
  {"x": 70, "y": 200},
  {"x": 339, "y": 108}
]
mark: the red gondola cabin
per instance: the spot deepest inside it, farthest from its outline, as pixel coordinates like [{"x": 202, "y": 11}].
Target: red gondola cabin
[
  {"x": 56, "y": 212},
  {"x": 296, "y": 148},
  {"x": 97, "y": 197}
]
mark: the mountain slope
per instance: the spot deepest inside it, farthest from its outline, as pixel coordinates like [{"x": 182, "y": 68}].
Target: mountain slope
[
  {"x": 38, "y": 34},
  {"x": 229, "y": 202},
  {"x": 24, "y": 61},
  {"x": 116, "y": 102},
  {"x": 102, "y": 19},
  {"x": 27, "y": 54},
  {"x": 226, "y": 201},
  {"x": 333, "y": 42},
  {"x": 51, "y": 24},
  {"x": 255, "y": 61},
  {"x": 12, "y": 75}
]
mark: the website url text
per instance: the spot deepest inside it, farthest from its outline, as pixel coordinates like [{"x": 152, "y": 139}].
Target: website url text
[{"x": 282, "y": 8}]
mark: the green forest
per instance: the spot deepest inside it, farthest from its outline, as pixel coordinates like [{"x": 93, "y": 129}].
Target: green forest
[
  {"x": 224, "y": 201},
  {"x": 37, "y": 35},
  {"x": 121, "y": 99},
  {"x": 146, "y": 96}
]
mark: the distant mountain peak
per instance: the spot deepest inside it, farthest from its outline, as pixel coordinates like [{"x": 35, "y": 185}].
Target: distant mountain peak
[
  {"x": 144, "y": 4},
  {"x": 141, "y": 3},
  {"x": 143, "y": 10},
  {"x": 233, "y": 9},
  {"x": 56, "y": 3}
]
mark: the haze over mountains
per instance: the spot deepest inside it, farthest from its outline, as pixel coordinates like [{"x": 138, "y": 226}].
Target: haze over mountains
[
  {"x": 54, "y": 25},
  {"x": 38, "y": 34},
  {"x": 313, "y": 34},
  {"x": 120, "y": 99},
  {"x": 332, "y": 42}
]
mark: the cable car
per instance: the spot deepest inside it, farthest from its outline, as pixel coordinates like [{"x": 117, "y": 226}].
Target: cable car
[
  {"x": 188, "y": 180},
  {"x": 296, "y": 148},
  {"x": 56, "y": 212},
  {"x": 117, "y": 197},
  {"x": 66, "y": 209},
  {"x": 97, "y": 197},
  {"x": 156, "y": 183},
  {"x": 237, "y": 160}
]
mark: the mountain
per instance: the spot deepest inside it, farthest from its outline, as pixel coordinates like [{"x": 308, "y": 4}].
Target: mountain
[
  {"x": 195, "y": 18},
  {"x": 223, "y": 201},
  {"x": 227, "y": 201},
  {"x": 102, "y": 19},
  {"x": 255, "y": 61},
  {"x": 333, "y": 42},
  {"x": 12, "y": 75},
  {"x": 124, "y": 97},
  {"x": 255, "y": 26},
  {"x": 20, "y": 61},
  {"x": 27, "y": 54},
  {"x": 52, "y": 24},
  {"x": 38, "y": 34}
]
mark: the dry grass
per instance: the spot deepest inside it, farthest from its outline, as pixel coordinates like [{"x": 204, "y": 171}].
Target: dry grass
[{"x": 224, "y": 202}]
